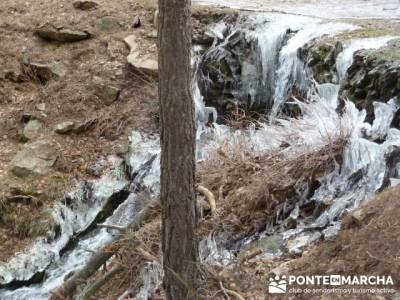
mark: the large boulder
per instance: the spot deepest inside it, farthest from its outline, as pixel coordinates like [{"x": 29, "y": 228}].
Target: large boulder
[
  {"x": 35, "y": 159},
  {"x": 51, "y": 32},
  {"x": 143, "y": 63}
]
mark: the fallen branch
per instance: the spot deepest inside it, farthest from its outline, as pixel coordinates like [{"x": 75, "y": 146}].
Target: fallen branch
[
  {"x": 116, "y": 227},
  {"x": 209, "y": 196},
  {"x": 126, "y": 294},
  {"x": 67, "y": 290}
]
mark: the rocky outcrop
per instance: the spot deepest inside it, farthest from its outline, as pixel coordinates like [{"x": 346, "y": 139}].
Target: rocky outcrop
[
  {"x": 373, "y": 76},
  {"x": 35, "y": 159},
  {"x": 321, "y": 59},
  {"x": 226, "y": 71}
]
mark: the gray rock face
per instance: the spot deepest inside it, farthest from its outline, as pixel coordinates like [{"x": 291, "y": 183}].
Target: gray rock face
[
  {"x": 143, "y": 63},
  {"x": 106, "y": 92},
  {"x": 108, "y": 23},
  {"x": 373, "y": 76},
  {"x": 35, "y": 159},
  {"x": 231, "y": 77},
  {"x": 33, "y": 129},
  {"x": 321, "y": 59},
  {"x": 65, "y": 127},
  {"x": 60, "y": 34}
]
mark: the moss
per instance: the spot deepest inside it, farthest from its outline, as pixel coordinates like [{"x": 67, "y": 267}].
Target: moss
[
  {"x": 363, "y": 32},
  {"x": 369, "y": 33}
]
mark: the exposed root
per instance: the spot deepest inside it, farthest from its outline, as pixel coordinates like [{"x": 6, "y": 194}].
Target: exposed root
[{"x": 209, "y": 196}]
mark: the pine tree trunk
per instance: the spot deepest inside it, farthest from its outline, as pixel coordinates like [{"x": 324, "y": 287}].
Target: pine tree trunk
[{"x": 179, "y": 219}]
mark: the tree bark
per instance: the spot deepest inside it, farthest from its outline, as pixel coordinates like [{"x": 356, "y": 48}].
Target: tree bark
[{"x": 179, "y": 218}]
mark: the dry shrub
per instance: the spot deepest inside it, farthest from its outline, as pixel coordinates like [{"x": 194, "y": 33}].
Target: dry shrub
[
  {"x": 252, "y": 190},
  {"x": 241, "y": 118}
]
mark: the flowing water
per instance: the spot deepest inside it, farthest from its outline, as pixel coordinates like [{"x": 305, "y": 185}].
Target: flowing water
[{"x": 278, "y": 43}]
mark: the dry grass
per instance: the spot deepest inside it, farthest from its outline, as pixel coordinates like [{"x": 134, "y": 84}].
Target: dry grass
[{"x": 252, "y": 190}]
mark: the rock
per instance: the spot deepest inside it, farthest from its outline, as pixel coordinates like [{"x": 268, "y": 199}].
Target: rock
[
  {"x": 321, "y": 58},
  {"x": 131, "y": 43},
  {"x": 282, "y": 269},
  {"x": 43, "y": 71},
  {"x": 108, "y": 23},
  {"x": 298, "y": 244},
  {"x": 106, "y": 92},
  {"x": 83, "y": 126},
  {"x": 35, "y": 159},
  {"x": 85, "y": 5},
  {"x": 152, "y": 34},
  {"x": 136, "y": 22},
  {"x": 60, "y": 34},
  {"x": 373, "y": 77},
  {"x": 268, "y": 247},
  {"x": 32, "y": 129},
  {"x": 65, "y": 127},
  {"x": 40, "y": 106},
  {"x": 146, "y": 63}
]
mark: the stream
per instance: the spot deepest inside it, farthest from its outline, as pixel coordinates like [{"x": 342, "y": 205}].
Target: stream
[{"x": 34, "y": 274}]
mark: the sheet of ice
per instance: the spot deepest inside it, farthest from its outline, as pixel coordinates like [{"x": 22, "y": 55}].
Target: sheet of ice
[{"x": 330, "y": 9}]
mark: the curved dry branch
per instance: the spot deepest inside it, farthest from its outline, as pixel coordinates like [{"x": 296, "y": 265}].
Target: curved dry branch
[{"x": 209, "y": 196}]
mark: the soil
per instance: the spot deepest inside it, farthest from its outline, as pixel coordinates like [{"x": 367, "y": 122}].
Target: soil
[{"x": 70, "y": 97}]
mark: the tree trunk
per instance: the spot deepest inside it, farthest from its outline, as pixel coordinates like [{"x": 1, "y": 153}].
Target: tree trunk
[{"x": 179, "y": 219}]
